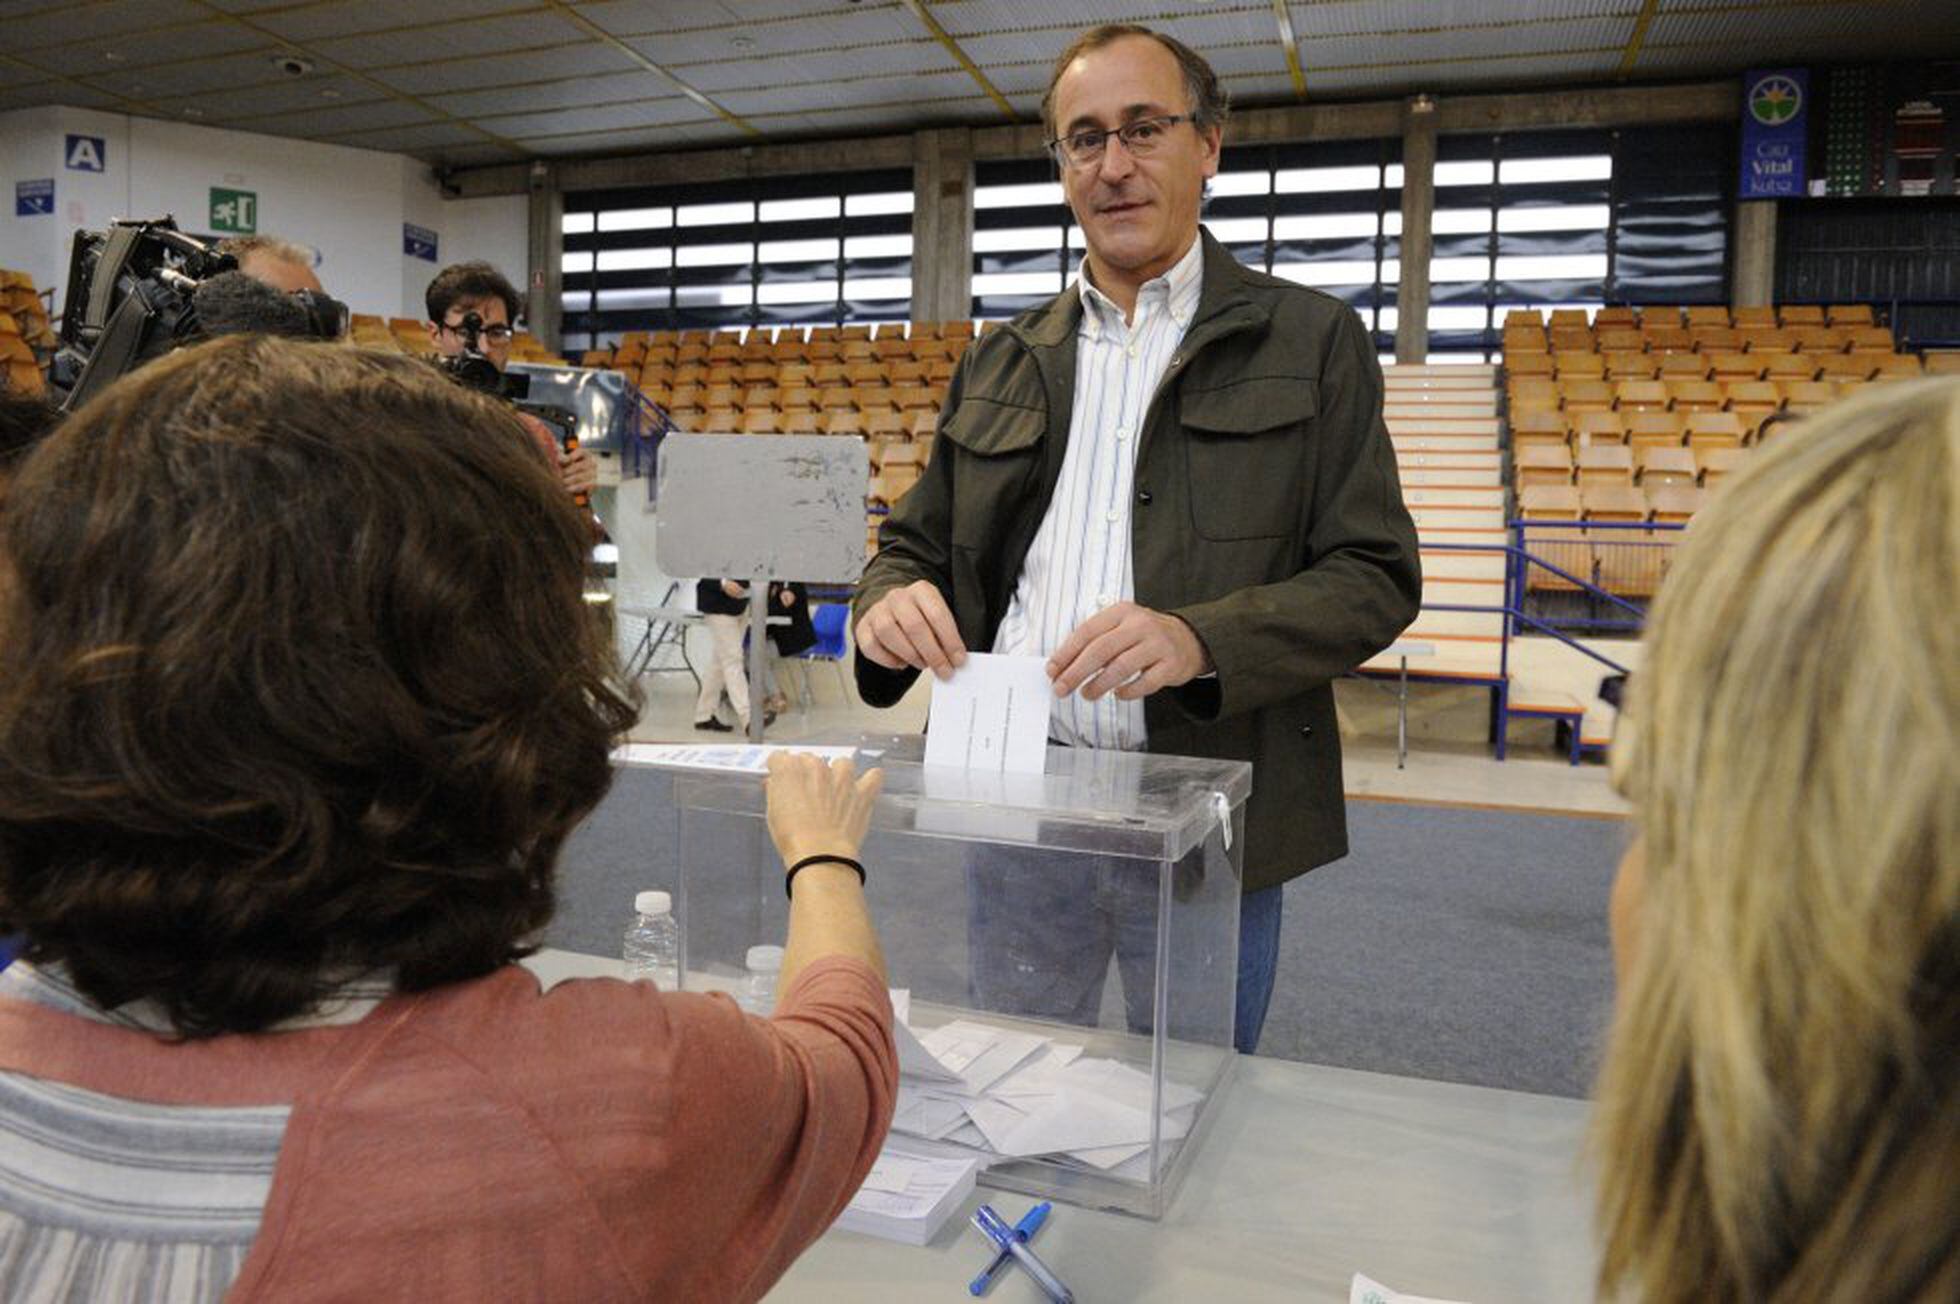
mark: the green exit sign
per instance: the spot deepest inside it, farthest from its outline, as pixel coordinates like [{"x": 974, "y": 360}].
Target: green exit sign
[{"x": 234, "y": 211}]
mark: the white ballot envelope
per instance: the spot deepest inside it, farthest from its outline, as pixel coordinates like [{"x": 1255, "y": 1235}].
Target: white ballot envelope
[{"x": 992, "y": 715}]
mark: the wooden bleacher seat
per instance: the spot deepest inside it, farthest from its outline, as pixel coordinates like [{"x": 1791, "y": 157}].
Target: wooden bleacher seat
[
  {"x": 1848, "y": 367},
  {"x": 1524, "y": 317},
  {"x": 656, "y": 393},
  {"x": 721, "y": 420},
  {"x": 686, "y": 396},
  {"x": 1655, "y": 429},
  {"x": 1869, "y": 339},
  {"x": 760, "y": 421},
  {"x": 1631, "y": 366},
  {"x": 1615, "y": 317},
  {"x": 1673, "y": 504},
  {"x": 762, "y": 396},
  {"x": 1807, "y": 395},
  {"x": 1641, "y": 396},
  {"x": 914, "y": 396},
  {"x": 690, "y": 351},
  {"x": 657, "y": 373},
  {"x": 1850, "y": 314},
  {"x": 1612, "y": 500},
  {"x": 874, "y": 398},
  {"x": 1621, "y": 339},
  {"x": 1768, "y": 339},
  {"x": 1717, "y": 339},
  {"x": 1897, "y": 366},
  {"x": 725, "y": 373},
  {"x": 1714, "y": 430},
  {"x": 1697, "y": 395},
  {"x": 1604, "y": 464},
  {"x": 1538, "y": 427},
  {"x": 1943, "y": 362},
  {"x": 1528, "y": 364},
  {"x": 1533, "y": 394},
  {"x": 1572, "y": 364},
  {"x": 595, "y": 358},
  {"x": 1596, "y": 427},
  {"x": 865, "y": 373},
  {"x": 1822, "y": 339},
  {"x": 1667, "y": 339},
  {"x": 1801, "y": 314},
  {"x": 887, "y": 424},
  {"x": 757, "y": 373},
  {"x": 1736, "y": 366},
  {"x": 842, "y": 421},
  {"x": 1746, "y": 318},
  {"x": 722, "y": 396},
  {"x": 894, "y": 348},
  {"x": 1526, "y": 340},
  {"x": 1790, "y": 366},
  {"x": 1535, "y": 464},
  {"x": 906, "y": 373},
  {"x": 1657, "y": 465},
  {"x": 830, "y": 375},
  {"x": 1549, "y": 502},
  {"x": 1585, "y": 396},
  {"x": 1683, "y": 366},
  {"x": 803, "y": 421},
  {"x": 921, "y": 423},
  {"x": 939, "y": 372},
  {"x": 1712, "y": 314},
  {"x": 1711, "y": 464},
  {"x": 799, "y": 398},
  {"x": 690, "y": 373},
  {"x": 838, "y": 399},
  {"x": 1754, "y": 401}
]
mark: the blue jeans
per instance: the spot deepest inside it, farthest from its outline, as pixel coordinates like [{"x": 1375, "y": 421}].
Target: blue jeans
[
  {"x": 1041, "y": 930},
  {"x": 1258, "y": 963}
]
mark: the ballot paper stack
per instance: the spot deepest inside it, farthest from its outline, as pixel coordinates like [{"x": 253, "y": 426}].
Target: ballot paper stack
[
  {"x": 909, "y": 1193},
  {"x": 1002, "y": 1094}
]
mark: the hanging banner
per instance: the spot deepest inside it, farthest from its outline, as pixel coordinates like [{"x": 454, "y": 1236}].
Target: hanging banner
[{"x": 1775, "y": 120}]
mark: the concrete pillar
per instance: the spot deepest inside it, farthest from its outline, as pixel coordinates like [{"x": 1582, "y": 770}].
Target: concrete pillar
[
  {"x": 1418, "y": 205},
  {"x": 942, "y": 225},
  {"x": 1753, "y": 259},
  {"x": 543, "y": 286}
]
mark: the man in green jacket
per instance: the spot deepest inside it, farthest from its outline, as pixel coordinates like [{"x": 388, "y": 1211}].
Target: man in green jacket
[{"x": 1173, "y": 481}]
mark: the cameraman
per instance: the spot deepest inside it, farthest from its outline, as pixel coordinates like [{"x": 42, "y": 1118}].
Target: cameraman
[
  {"x": 476, "y": 287},
  {"x": 280, "y": 264}
]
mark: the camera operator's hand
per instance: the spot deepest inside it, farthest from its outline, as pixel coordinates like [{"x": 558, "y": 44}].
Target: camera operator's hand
[{"x": 578, "y": 471}]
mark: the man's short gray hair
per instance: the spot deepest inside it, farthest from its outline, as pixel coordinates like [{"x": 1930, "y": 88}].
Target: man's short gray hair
[{"x": 242, "y": 247}]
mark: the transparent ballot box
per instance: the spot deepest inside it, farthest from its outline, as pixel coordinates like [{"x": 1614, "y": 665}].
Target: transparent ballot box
[{"x": 1063, "y": 950}]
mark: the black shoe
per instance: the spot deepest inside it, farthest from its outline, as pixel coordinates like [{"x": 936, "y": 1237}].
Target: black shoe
[{"x": 713, "y": 725}]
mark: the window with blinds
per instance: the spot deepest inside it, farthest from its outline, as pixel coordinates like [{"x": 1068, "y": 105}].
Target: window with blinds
[
  {"x": 827, "y": 250},
  {"x": 1316, "y": 214}
]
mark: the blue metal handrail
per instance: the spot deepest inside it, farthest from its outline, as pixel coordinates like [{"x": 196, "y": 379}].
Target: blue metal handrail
[{"x": 1516, "y": 559}]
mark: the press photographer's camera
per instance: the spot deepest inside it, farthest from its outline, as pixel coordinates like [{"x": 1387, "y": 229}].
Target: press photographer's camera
[
  {"x": 474, "y": 369},
  {"x": 142, "y": 288}
]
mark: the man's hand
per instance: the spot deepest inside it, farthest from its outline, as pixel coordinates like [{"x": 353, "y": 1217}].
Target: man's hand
[
  {"x": 578, "y": 472},
  {"x": 734, "y": 589},
  {"x": 912, "y": 626},
  {"x": 1129, "y": 650}
]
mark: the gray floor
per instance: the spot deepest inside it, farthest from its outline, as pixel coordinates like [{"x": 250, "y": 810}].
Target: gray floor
[{"x": 1457, "y": 944}]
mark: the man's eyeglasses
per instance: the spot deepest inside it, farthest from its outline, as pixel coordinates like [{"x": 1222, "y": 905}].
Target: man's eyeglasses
[
  {"x": 494, "y": 334},
  {"x": 1083, "y": 148}
]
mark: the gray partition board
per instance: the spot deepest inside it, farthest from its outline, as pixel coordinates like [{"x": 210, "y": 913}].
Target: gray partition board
[{"x": 777, "y": 506}]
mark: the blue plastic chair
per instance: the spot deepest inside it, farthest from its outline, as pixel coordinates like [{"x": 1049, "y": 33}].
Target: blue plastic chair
[{"x": 828, "y": 620}]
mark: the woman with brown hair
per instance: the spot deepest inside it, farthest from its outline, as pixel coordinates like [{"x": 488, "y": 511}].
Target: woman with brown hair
[
  {"x": 1779, "y": 1110},
  {"x": 301, "y": 702}
]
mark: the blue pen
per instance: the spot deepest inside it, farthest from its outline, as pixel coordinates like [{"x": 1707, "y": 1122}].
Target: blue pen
[
  {"x": 1023, "y": 1231},
  {"x": 996, "y": 1229}
]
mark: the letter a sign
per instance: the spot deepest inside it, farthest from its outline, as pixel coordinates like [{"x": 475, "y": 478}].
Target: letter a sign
[{"x": 87, "y": 154}]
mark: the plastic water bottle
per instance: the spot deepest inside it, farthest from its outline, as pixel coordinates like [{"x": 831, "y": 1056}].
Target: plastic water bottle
[
  {"x": 765, "y": 965},
  {"x": 653, "y": 943}
]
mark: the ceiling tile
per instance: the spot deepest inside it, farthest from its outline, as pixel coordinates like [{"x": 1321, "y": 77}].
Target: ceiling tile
[
  {"x": 568, "y": 94},
  {"x": 197, "y": 41},
  {"x": 442, "y": 42},
  {"x": 345, "y": 119},
  {"x": 499, "y": 70},
  {"x": 276, "y": 97},
  {"x": 323, "y": 22},
  {"x": 608, "y": 117},
  {"x": 227, "y": 72},
  {"x": 97, "y": 21},
  {"x": 433, "y": 136}
]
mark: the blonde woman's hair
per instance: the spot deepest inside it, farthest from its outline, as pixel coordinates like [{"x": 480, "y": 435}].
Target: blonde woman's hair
[{"x": 1777, "y": 1109}]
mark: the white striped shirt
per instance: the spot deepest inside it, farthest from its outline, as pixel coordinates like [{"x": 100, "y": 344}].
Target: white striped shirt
[{"x": 1080, "y": 560}]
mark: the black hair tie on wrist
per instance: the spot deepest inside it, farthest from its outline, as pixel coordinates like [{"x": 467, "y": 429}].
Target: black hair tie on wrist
[{"x": 789, "y": 879}]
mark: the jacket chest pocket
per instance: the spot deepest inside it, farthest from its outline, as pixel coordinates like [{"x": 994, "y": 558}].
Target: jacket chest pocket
[
  {"x": 1003, "y": 447},
  {"x": 1247, "y": 449}
]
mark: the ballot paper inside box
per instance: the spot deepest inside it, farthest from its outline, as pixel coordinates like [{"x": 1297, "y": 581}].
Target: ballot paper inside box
[{"x": 1063, "y": 949}]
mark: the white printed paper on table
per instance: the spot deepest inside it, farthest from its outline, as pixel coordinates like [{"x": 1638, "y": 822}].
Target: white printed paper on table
[{"x": 726, "y": 758}]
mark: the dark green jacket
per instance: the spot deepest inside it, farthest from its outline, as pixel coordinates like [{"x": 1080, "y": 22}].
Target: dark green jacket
[{"x": 1267, "y": 514}]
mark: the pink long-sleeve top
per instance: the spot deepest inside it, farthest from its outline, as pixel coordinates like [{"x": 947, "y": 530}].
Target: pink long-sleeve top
[{"x": 601, "y": 1141}]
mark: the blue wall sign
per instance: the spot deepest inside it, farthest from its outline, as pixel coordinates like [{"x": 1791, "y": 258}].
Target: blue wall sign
[
  {"x": 418, "y": 242},
  {"x": 33, "y": 198},
  {"x": 86, "y": 154},
  {"x": 1775, "y": 121}
]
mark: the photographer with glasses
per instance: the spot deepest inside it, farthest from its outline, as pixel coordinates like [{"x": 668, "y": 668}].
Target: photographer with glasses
[
  {"x": 463, "y": 290},
  {"x": 1173, "y": 482}
]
